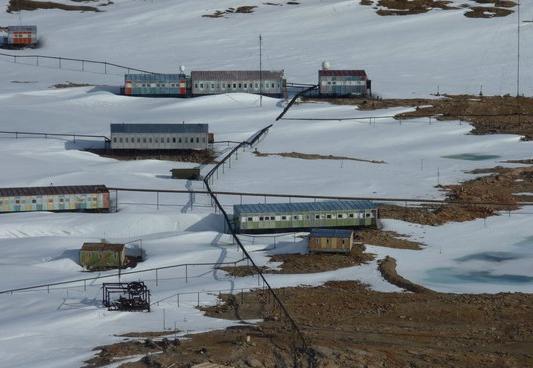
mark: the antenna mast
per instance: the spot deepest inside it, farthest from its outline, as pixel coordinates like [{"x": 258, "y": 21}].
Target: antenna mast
[{"x": 260, "y": 70}]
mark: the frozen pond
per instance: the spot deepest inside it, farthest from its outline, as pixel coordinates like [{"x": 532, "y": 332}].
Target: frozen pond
[{"x": 472, "y": 157}]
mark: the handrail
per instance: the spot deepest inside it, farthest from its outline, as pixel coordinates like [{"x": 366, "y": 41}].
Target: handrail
[
  {"x": 117, "y": 274},
  {"x": 56, "y": 134},
  {"x": 61, "y": 58}
]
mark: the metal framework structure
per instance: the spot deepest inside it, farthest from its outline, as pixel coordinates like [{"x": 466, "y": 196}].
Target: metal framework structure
[{"x": 132, "y": 296}]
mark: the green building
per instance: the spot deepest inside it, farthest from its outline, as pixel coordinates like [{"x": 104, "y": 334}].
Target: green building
[{"x": 304, "y": 216}]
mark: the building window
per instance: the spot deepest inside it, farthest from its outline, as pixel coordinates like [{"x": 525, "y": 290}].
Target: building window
[
  {"x": 144, "y": 140},
  {"x": 367, "y": 215},
  {"x": 245, "y": 85},
  {"x": 212, "y": 85},
  {"x": 250, "y": 219},
  {"x": 240, "y": 85},
  {"x": 126, "y": 139},
  {"x": 339, "y": 215},
  {"x": 201, "y": 85},
  {"x": 351, "y": 215},
  {"x": 317, "y": 217},
  {"x": 185, "y": 140},
  {"x": 261, "y": 218},
  {"x": 61, "y": 200},
  {"x": 284, "y": 218},
  {"x": 17, "y": 201},
  {"x": 120, "y": 139},
  {"x": 234, "y": 85},
  {"x": 256, "y": 85},
  {"x": 197, "y": 140},
  {"x": 156, "y": 140},
  {"x": 33, "y": 201},
  {"x": 150, "y": 140},
  {"x": 114, "y": 139},
  {"x": 179, "y": 140},
  {"x": 328, "y": 216},
  {"x": 272, "y": 85},
  {"x": 295, "y": 217},
  {"x": 138, "y": 140},
  {"x": 195, "y": 85},
  {"x": 173, "y": 139}
]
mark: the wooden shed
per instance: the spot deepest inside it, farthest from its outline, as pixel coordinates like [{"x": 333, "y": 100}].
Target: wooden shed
[
  {"x": 331, "y": 240},
  {"x": 102, "y": 256},
  {"x": 191, "y": 173}
]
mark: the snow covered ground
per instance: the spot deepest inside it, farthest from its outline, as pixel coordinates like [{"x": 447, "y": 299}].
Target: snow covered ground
[
  {"x": 454, "y": 52},
  {"x": 404, "y": 56}
]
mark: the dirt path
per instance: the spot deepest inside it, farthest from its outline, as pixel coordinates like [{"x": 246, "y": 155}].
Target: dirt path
[
  {"x": 314, "y": 156},
  {"x": 387, "y": 267}
]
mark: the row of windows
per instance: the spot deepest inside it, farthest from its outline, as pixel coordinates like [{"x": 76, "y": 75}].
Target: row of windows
[
  {"x": 235, "y": 85},
  {"x": 156, "y": 139},
  {"x": 307, "y": 217},
  {"x": 153, "y": 85},
  {"x": 50, "y": 200},
  {"x": 344, "y": 83},
  {"x": 26, "y": 35}
]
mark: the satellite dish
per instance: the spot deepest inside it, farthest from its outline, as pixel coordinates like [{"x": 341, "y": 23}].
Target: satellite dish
[{"x": 326, "y": 65}]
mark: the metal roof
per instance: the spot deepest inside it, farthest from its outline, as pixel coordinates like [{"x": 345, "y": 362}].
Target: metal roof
[
  {"x": 159, "y": 128},
  {"x": 102, "y": 246},
  {"x": 304, "y": 207},
  {"x": 154, "y": 77},
  {"x": 236, "y": 75},
  {"x": 342, "y": 73},
  {"x": 52, "y": 190},
  {"x": 22, "y": 29},
  {"x": 330, "y": 233}
]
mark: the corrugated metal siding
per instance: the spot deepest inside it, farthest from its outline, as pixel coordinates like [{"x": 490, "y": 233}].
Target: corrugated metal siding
[
  {"x": 159, "y": 128},
  {"x": 303, "y": 206}
]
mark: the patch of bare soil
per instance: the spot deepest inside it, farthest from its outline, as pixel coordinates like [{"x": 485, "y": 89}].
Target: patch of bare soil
[
  {"x": 241, "y": 271},
  {"x": 407, "y": 7},
  {"x": 388, "y": 239},
  {"x": 18, "y": 5},
  {"x": 320, "y": 262},
  {"x": 387, "y": 267},
  {"x": 314, "y": 156},
  {"x": 202, "y": 157},
  {"x": 500, "y": 8},
  {"x": 347, "y": 325},
  {"x": 501, "y": 186},
  {"x": 488, "y": 114},
  {"x": 307, "y": 263},
  {"x": 147, "y": 334},
  {"x": 111, "y": 353},
  {"x": 71, "y": 85},
  {"x": 487, "y": 12},
  {"x": 245, "y": 9}
]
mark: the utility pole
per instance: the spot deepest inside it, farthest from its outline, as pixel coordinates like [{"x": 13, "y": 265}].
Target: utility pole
[
  {"x": 260, "y": 70},
  {"x": 518, "y": 52}
]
